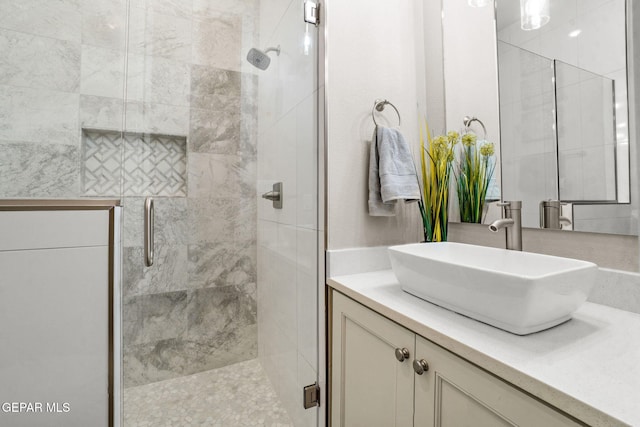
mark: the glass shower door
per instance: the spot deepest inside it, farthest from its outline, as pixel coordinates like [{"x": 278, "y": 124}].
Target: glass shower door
[{"x": 206, "y": 133}]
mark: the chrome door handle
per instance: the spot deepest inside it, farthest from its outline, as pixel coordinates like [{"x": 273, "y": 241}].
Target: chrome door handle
[
  {"x": 272, "y": 195},
  {"x": 275, "y": 195},
  {"x": 149, "y": 214}
]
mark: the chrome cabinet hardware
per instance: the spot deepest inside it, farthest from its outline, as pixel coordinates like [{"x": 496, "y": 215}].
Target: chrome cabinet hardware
[
  {"x": 149, "y": 214},
  {"x": 275, "y": 195},
  {"x": 420, "y": 366},
  {"x": 402, "y": 354}
]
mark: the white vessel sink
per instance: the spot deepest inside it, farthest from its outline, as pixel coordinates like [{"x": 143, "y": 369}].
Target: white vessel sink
[{"x": 519, "y": 292}]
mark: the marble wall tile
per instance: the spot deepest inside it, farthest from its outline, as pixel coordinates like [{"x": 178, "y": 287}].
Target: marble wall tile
[
  {"x": 221, "y": 175},
  {"x": 215, "y": 89},
  {"x": 57, "y": 19},
  {"x": 212, "y": 220},
  {"x": 222, "y": 264},
  {"x": 180, "y": 8},
  {"x": 215, "y": 312},
  {"x": 39, "y": 170},
  {"x": 39, "y": 62},
  {"x": 217, "y": 41},
  {"x": 170, "y": 221},
  {"x": 249, "y": 115},
  {"x": 168, "y": 82},
  {"x": 246, "y": 221},
  {"x": 167, "y": 36},
  {"x": 208, "y": 8},
  {"x": 131, "y": 320},
  {"x": 168, "y": 273},
  {"x": 56, "y": 113},
  {"x": 133, "y": 221},
  {"x": 137, "y": 28},
  {"x": 146, "y": 363},
  {"x": 104, "y": 23},
  {"x": 166, "y": 119},
  {"x": 133, "y": 116},
  {"x": 164, "y": 316},
  {"x": 158, "y": 80},
  {"x": 214, "y": 131},
  {"x": 98, "y": 112},
  {"x": 102, "y": 72}
]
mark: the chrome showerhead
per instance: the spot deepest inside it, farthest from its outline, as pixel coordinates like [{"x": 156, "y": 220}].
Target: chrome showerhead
[{"x": 260, "y": 59}]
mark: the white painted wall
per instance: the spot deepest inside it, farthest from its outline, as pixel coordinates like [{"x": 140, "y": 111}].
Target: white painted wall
[{"x": 374, "y": 50}]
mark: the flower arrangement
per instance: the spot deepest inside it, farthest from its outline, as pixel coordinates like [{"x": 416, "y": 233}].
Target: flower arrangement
[
  {"x": 474, "y": 171},
  {"x": 436, "y": 158}
]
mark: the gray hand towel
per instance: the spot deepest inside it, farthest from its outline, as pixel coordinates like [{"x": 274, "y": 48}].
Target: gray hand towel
[{"x": 392, "y": 174}]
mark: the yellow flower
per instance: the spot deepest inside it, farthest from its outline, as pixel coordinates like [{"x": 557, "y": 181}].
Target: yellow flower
[
  {"x": 453, "y": 136},
  {"x": 468, "y": 139},
  {"x": 487, "y": 149}
]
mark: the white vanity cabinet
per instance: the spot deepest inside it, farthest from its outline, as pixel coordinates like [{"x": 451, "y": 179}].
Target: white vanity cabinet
[{"x": 375, "y": 381}]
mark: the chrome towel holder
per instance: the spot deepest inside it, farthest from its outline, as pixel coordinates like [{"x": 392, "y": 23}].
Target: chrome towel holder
[
  {"x": 378, "y": 105},
  {"x": 467, "y": 125}
]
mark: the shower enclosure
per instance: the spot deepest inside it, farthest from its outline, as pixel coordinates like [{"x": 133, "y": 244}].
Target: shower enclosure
[{"x": 133, "y": 99}]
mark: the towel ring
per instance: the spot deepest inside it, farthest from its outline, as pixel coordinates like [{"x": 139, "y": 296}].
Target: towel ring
[
  {"x": 467, "y": 125},
  {"x": 378, "y": 105}
]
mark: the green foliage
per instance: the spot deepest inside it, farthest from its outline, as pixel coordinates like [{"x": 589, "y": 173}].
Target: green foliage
[{"x": 474, "y": 171}]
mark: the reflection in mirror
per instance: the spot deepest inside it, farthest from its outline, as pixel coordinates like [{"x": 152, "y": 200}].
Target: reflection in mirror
[{"x": 563, "y": 114}]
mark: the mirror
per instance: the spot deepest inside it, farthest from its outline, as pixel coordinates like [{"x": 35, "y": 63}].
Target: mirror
[{"x": 563, "y": 116}]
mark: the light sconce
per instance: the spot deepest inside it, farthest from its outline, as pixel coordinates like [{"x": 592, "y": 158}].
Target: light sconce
[
  {"x": 479, "y": 3},
  {"x": 533, "y": 14}
]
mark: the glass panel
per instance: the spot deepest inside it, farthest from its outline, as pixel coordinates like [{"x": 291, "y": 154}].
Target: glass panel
[
  {"x": 138, "y": 99},
  {"x": 228, "y": 312}
]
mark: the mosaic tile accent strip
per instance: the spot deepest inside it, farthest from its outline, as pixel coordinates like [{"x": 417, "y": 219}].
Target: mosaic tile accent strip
[
  {"x": 238, "y": 395},
  {"x": 154, "y": 165}
]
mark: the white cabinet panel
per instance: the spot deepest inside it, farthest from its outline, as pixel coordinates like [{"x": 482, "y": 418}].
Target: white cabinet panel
[
  {"x": 455, "y": 393},
  {"x": 370, "y": 387},
  {"x": 53, "y": 229},
  {"x": 54, "y": 335}
]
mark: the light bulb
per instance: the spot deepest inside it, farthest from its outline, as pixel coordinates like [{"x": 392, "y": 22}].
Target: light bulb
[{"x": 533, "y": 14}]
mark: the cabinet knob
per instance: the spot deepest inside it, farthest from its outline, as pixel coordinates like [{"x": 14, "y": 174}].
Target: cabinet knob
[
  {"x": 402, "y": 354},
  {"x": 420, "y": 366}
]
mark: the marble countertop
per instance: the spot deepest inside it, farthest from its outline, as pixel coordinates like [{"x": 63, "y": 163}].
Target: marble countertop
[{"x": 589, "y": 367}]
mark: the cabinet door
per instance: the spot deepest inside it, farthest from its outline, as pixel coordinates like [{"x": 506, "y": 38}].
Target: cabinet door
[
  {"x": 369, "y": 386},
  {"x": 455, "y": 393}
]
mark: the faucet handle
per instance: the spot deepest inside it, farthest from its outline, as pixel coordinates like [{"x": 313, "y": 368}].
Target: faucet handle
[{"x": 513, "y": 204}]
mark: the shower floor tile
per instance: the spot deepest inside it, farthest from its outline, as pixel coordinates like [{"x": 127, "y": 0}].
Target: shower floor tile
[{"x": 238, "y": 395}]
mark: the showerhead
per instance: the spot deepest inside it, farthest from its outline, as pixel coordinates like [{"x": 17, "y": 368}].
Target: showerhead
[{"x": 260, "y": 59}]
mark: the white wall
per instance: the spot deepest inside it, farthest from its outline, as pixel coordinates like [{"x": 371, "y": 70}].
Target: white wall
[{"x": 374, "y": 50}]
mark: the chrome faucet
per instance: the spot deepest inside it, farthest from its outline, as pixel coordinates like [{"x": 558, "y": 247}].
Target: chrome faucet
[{"x": 511, "y": 222}]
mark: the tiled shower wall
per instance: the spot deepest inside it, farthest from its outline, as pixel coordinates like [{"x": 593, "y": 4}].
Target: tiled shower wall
[
  {"x": 195, "y": 309},
  {"x": 67, "y": 66}
]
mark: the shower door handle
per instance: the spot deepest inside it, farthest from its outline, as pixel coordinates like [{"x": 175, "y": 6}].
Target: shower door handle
[{"x": 149, "y": 215}]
